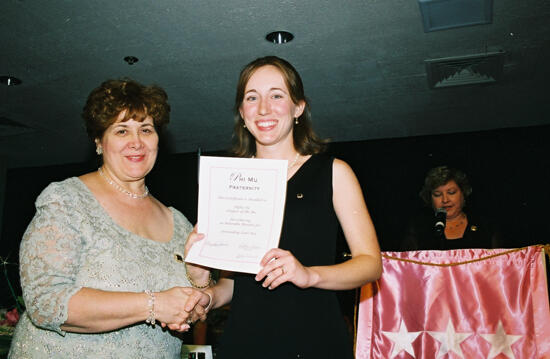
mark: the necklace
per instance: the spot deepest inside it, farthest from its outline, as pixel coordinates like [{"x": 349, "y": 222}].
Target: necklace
[
  {"x": 291, "y": 164},
  {"x": 294, "y": 162},
  {"x": 459, "y": 222},
  {"x": 123, "y": 190}
]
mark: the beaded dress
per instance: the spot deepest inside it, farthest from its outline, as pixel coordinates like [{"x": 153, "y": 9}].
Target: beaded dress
[
  {"x": 72, "y": 243},
  {"x": 289, "y": 322}
]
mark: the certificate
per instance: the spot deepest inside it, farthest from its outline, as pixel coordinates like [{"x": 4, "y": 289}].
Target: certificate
[{"x": 240, "y": 211}]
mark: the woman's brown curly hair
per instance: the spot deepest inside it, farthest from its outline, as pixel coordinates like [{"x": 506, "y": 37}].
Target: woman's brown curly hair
[
  {"x": 438, "y": 176},
  {"x": 107, "y": 101}
]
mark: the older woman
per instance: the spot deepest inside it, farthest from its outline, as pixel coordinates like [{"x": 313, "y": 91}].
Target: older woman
[
  {"x": 289, "y": 309},
  {"x": 445, "y": 190},
  {"x": 101, "y": 261}
]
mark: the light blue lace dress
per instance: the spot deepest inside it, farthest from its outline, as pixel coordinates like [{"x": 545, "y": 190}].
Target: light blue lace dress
[{"x": 73, "y": 243}]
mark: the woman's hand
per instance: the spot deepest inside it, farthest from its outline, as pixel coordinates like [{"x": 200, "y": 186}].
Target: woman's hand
[
  {"x": 280, "y": 266},
  {"x": 193, "y": 238},
  {"x": 199, "y": 275}
]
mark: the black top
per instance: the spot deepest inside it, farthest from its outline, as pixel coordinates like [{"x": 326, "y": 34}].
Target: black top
[
  {"x": 420, "y": 235},
  {"x": 289, "y": 322}
]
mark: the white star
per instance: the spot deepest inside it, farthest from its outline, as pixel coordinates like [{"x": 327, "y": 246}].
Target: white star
[
  {"x": 402, "y": 340},
  {"x": 501, "y": 342},
  {"x": 450, "y": 340}
]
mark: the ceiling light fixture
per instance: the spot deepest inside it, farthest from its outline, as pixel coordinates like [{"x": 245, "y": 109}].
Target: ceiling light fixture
[
  {"x": 279, "y": 37},
  {"x": 131, "y": 60},
  {"x": 9, "y": 80}
]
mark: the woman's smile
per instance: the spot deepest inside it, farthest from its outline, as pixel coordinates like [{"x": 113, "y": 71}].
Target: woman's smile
[{"x": 266, "y": 125}]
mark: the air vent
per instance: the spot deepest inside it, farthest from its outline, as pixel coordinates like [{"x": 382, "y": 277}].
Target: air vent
[
  {"x": 11, "y": 128},
  {"x": 465, "y": 70},
  {"x": 447, "y": 14}
]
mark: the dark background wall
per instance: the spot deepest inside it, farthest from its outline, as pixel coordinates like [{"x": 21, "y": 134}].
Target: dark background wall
[{"x": 508, "y": 169}]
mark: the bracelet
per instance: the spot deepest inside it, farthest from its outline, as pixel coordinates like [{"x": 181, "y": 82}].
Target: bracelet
[
  {"x": 151, "y": 306},
  {"x": 195, "y": 285},
  {"x": 209, "y": 303}
]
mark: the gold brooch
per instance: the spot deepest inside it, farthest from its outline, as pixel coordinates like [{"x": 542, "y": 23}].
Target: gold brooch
[
  {"x": 473, "y": 228},
  {"x": 178, "y": 257},
  {"x": 299, "y": 195}
]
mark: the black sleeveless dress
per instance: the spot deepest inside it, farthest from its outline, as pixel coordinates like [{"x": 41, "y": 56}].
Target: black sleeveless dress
[{"x": 289, "y": 322}]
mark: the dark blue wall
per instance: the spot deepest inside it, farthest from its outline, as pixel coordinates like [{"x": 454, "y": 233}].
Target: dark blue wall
[{"x": 509, "y": 170}]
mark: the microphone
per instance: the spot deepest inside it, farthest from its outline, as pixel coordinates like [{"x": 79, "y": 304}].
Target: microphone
[{"x": 440, "y": 220}]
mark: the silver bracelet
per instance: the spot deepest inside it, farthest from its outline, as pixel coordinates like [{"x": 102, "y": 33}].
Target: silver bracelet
[
  {"x": 151, "y": 306},
  {"x": 209, "y": 302}
]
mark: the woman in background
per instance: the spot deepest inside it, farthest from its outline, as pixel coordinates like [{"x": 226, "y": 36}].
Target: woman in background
[
  {"x": 290, "y": 309},
  {"x": 102, "y": 260},
  {"x": 445, "y": 190}
]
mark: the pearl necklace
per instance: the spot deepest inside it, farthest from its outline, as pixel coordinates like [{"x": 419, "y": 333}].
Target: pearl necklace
[{"x": 123, "y": 190}]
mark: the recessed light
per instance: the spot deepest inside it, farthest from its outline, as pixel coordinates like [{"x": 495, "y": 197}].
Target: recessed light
[
  {"x": 279, "y": 37},
  {"x": 9, "y": 80},
  {"x": 131, "y": 60}
]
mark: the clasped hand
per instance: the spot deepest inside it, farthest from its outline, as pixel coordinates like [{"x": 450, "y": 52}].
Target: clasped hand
[{"x": 178, "y": 307}]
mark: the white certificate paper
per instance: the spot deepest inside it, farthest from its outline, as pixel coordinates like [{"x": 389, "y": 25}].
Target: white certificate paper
[{"x": 241, "y": 205}]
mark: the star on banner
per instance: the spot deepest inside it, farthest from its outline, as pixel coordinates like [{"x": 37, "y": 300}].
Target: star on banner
[
  {"x": 501, "y": 342},
  {"x": 402, "y": 340},
  {"x": 450, "y": 340}
]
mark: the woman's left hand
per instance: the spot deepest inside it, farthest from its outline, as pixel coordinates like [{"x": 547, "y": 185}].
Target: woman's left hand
[
  {"x": 199, "y": 274},
  {"x": 280, "y": 266}
]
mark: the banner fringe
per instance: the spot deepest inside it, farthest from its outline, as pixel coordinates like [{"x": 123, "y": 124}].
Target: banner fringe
[{"x": 545, "y": 248}]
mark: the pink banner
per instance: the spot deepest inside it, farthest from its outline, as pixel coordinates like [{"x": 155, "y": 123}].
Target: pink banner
[{"x": 466, "y": 303}]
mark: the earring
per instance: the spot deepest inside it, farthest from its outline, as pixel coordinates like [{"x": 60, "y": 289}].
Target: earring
[
  {"x": 296, "y": 120},
  {"x": 99, "y": 150}
]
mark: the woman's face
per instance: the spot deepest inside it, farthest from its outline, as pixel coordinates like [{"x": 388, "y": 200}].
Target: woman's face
[
  {"x": 267, "y": 109},
  {"x": 450, "y": 197},
  {"x": 130, "y": 148}
]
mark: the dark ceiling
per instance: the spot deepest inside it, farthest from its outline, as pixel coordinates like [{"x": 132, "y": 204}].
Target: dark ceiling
[{"x": 362, "y": 62}]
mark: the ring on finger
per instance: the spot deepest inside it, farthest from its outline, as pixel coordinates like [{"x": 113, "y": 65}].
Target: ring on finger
[
  {"x": 283, "y": 269},
  {"x": 189, "y": 321}
]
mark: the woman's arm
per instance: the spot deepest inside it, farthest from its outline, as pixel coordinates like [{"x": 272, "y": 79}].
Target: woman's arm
[
  {"x": 92, "y": 310},
  {"x": 366, "y": 262},
  {"x": 221, "y": 293},
  {"x": 50, "y": 258},
  {"x": 365, "y": 265},
  {"x": 200, "y": 277}
]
